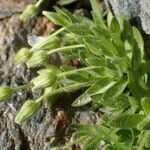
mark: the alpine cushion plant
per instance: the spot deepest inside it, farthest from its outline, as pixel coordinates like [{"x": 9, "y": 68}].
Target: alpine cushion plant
[{"x": 115, "y": 73}]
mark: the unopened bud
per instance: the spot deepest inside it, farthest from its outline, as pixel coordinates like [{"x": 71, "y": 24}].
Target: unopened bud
[
  {"x": 51, "y": 43},
  {"x": 38, "y": 58},
  {"x": 29, "y": 12},
  {"x": 44, "y": 80},
  {"x": 5, "y": 93},
  {"x": 49, "y": 69},
  {"x": 50, "y": 100},
  {"x": 27, "y": 111},
  {"x": 23, "y": 55}
]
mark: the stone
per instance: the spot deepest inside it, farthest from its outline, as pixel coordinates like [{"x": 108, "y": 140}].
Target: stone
[
  {"x": 49, "y": 126},
  {"x": 138, "y": 11},
  {"x": 7, "y": 7}
]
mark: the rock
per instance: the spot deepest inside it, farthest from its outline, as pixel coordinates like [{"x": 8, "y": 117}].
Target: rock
[
  {"x": 38, "y": 133},
  {"x": 145, "y": 15},
  {"x": 49, "y": 126},
  {"x": 8, "y": 8},
  {"x": 138, "y": 11}
]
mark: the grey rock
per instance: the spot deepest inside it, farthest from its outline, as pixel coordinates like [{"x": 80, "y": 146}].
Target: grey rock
[
  {"x": 145, "y": 15},
  {"x": 37, "y": 133},
  {"x": 8, "y": 8},
  {"x": 136, "y": 10},
  {"x": 49, "y": 126}
]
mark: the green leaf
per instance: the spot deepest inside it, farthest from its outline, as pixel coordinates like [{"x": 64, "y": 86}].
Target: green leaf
[
  {"x": 100, "y": 32},
  {"x": 99, "y": 131},
  {"x": 119, "y": 103},
  {"x": 117, "y": 41},
  {"x": 127, "y": 121},
  {"x": 138, "y": 51},
  {"x": 66, "y": 15},
  {"x": 134, "y": 84},
  {"x": 100, "y": 86},
  {"x": 114, "y": 26},
  {"x": 92, "y": 144},
  {"x": 93, "y": 46},
  {"x": 146, "y": 105},
  {"x": 109, "y": 18},
  {"x": 127, "y": 33},
  {"x": 143, "y": 140},
  {"x": 121, "y": 62},
  {"x": 96, "y": 61},
  {"x": 97, "y": 16},
  {"x": 138, "y": 37},
  {"x": 66, "y": 68},
  {"x": 107, "y": 134},
  {"x": 82, "y": 100},
  {"x": 97, "y": 88},
  {"x": 82, "y": 130},
  {"x": 55, "y": 18},
  {"x": 85, "y": 54},
  {"x": 66, "y": 2},
  {"x": 136, "y": 57},
  {"x": 85, "y": 20},
  {"x": 147, "y": 141},
  {"x": 126, "y": 136},
  {"x": 100, "y": 46},
  {"x": 144, "y": 124},
  {"x": 134, "y": 104},
  {"x": 116, "y": 89},
  {"x": 80, "y": 29},
  {"x": 78, "y": 77}
]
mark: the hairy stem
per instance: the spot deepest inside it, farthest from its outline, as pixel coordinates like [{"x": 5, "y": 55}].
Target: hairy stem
[
  {"x": 22, "y": 86},
  {"x": 77, "y": 70},
  {"x": 69, "y": 88},
  {"x": 65, "y": 48}
]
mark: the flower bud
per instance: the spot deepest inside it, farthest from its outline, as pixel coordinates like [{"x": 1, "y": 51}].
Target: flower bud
[
  {"x": 38, "y": 58},
  {"x": 51, "y": 43},
  {"x": 50, "y": 100},
  {"x": 29, "y": 12},
  {"x": 44, "y": 80},
  {"x": 23, "y": 55},
  {"x": 5, "y": 93},
  {"x": 49, "y": 69},
  {"x": 27, "y": 111}
]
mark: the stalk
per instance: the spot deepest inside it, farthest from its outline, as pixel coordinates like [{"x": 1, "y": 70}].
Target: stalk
[
  {"x": 65, "y": 48},
  {"x": 22, "y": 87},
  {"x": 75, "y": 71},
  {"x": 69, "y": 88}
]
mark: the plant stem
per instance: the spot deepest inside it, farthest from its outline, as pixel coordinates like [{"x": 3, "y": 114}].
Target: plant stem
[
  {"x": 22, "y": 86},
  {"x": 65, "y": 48},
  {"x": 69, "y": 88},
  {"x": 39, "y": 45},
  {"x": 77, "y": 70}
]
